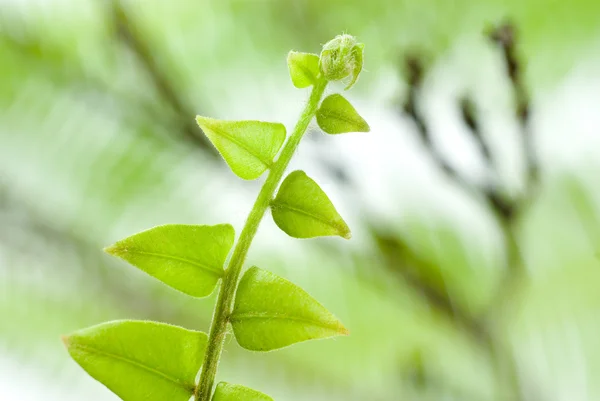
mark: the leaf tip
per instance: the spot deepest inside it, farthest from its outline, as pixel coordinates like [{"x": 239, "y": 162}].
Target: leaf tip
[
  {"x": 114, "y": 250},
  {"x": 202, "y": 122},
  {"x": 65, "y": 340}
]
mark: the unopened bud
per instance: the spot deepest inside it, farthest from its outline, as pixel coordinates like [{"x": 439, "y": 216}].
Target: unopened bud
[{"x": 342, "y": 59}]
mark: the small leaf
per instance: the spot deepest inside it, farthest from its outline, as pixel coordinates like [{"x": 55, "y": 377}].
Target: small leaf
[
  {"x": 271, "y": 312},
  {"x": 235, "y": 392},
  {"x": 357, "y": 53},
  {"x": 337, "y": 116},
  {"x": 302, "y": 210},
  {"x": 304, "y": 68},
  {"x": 140, "y": 360},
  {"x": 189, "y": 258},
  {"x": 248, "y": 147}
]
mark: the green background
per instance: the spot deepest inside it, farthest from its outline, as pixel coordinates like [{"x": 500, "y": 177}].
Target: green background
[{"x": 98, "y": 141}]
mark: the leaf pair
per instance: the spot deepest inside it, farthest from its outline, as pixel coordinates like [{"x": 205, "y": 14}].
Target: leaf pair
[
  {"x": 336, "y": 115},
  {"x": 269, "y": 312},
  {"x": 249, "y": 147},
  {"x": 191, "y": 258}
]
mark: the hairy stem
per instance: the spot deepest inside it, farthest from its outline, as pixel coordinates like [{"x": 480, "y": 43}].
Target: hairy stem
[{"x": 223, "y": 309}]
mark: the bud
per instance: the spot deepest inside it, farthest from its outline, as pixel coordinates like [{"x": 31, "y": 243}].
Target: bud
[{"x": 342, "y": 58}]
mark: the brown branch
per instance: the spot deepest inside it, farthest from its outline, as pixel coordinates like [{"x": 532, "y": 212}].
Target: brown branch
[
  {"x": 414, "y": 71},
  {"x": 469, "y": 116},
  {"x": 504, "y": 36}
]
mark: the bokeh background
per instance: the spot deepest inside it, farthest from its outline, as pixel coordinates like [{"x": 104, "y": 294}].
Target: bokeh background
[{"x": 473, "y": 270}]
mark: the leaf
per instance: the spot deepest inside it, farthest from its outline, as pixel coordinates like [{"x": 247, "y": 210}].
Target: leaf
[
  {"x": 248, "y": 147},
  {"x": 235, "y": 392},
  {"x": 357, "y": 53},
  {"x": 337, "y": 116},
  {"x": 302, "y": 210},
  {"x": 304, "y": 68},
  {"x": 140, "y": 360},
  {"x": 189, "y": 258},
  {"x": 271, "y": 312}
]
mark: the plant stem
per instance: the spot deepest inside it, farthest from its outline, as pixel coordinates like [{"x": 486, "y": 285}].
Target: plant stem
[{"x": 223, "y": 309}]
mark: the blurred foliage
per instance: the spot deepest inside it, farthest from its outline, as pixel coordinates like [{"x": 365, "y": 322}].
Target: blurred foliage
[{"x": 97, "y": 140}]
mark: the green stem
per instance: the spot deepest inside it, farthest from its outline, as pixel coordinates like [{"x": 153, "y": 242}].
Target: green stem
[{"x": 223, "y": 309}]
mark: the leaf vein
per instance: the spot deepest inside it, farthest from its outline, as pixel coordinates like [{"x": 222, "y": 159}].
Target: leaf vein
[
  {"x": 266, "y": 316},
  {"x": 202, "y": 266},
  {"x": 242, "y": 145},
  {"x": 188, "y": 386},
  {"x": 279, "y": 204},
  {"x": 340, "y": 116}
]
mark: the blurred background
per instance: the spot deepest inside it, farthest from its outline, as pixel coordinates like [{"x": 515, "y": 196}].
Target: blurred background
[{"x": 473, "y": 269}]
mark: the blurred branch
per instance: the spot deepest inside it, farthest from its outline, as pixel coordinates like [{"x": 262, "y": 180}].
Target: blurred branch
[
  {"x": 508, "y": 212},
  {"x": 414, "y": 68},
  {"x": 427, "y": 282},
  {"x": 415, "y": 74},
  {"x": 504, "y": 36},
  {"x": 58, "y": 66},
  {"x": 15, "y": 33},
  {"x": 469, "y": 116},
  {"x": 128, "y": 34},
  {"x": 400, "y": 259}
]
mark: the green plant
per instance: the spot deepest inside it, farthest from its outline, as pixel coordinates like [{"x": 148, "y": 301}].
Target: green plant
[{"x": 142, "y": 360}]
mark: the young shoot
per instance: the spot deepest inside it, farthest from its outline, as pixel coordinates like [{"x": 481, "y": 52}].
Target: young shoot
[{"x": 152, "y": 361}]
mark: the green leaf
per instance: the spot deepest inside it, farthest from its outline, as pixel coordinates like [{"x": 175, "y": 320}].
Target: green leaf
[
  {"x": 189, "y": 258},
  {"x": 357, "y": 53},
  {"x": 248, "y": 147},
  {"x": 302, "y": 210},
  {"x": 337, "y": 116},
  {"x": 235, "y": 392},
  {"x": 304, "y": 68},
  {"x": 271, "y": 312},
  {"x": 140, "y": 360}
]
